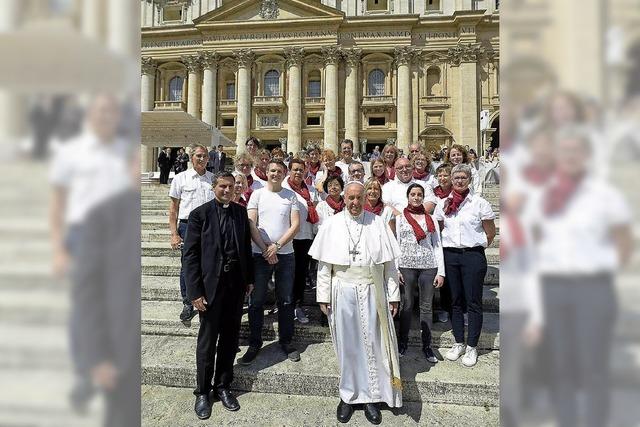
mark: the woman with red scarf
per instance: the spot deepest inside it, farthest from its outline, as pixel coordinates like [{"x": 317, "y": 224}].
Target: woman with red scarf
[
  {"x": 422, "y": 169},
  {"x": 244, "y": 163},
  {"x": 444, "y": 187},
  {"x": 334, "y": 203},
  {"x": 239, "y": 189},
  {"x": 373, "y": 200},
  {"x": 467, "y": 224},
  {"x": 379, "y": 171},
  {"x": 390, "y": 155},
  {"x": 313, "y": 165},
  {"x": 261, "y": 162},
  {"x": 307, "y": 199},
  {"x": 328, "y": 170}
]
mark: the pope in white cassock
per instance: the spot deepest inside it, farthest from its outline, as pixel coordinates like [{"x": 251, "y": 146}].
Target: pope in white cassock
[{"x": 358, "y": 290}]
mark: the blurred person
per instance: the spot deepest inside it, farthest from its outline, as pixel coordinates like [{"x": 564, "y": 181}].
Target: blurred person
[
  {"x": 275, "y": 211},
  {"x": 473, "y": 159},
  {"x": 356, "y": 171},
  {"x": 563, "y": 108},
  {"x": 239, "y": 189},
  {"x": 165, "y": 164},
  {"x": 219, "y": 274},
  {"x": 189, "y": 189},
  {"x": 422, "y": 169},
  {"x": 456, "y": 155},
  {"x": 414, "y": 148},
  {"x": 401, "y": 153},
  {"x": 467, "y": 227},
  {"x": 373, "y": 200},
  {"x": 390, "y": 154},
  {"x": 394, "y": 193},
  {"x": 375, "y": 154},
  {"x": 307, "y": 197},
  {"x": 277, "y": 154},
  {"x": 252, "y": 145},
  {"x": 313, "y": 165},
  {"x": 44, "y": 117},
  {"x": 421, "y": 266},
  {"x": 182, "y": 161},
  {"x": 328, "y": 169},
  {"x": 378, "y": 171},
  {"x": 334, "y": 202},
  {"x": 346, "y": 158},
  {"x": 259, "y": 172},
  {"x": 244, "y": 164},
  {"x": 541, "y": 165},
  {"x": 358, "y": 290}
]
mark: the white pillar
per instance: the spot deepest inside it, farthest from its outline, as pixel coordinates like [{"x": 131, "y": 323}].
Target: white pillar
[
  {"x": 295, "y": 56},
  {"x": 123, "y": 26},
  {"x": 91, "y": 19},
  {"x": 13, "y": 111},
  {"x": 331, "y": 59},
  {"x": 244, "y": 58},
  {"x": 351, "y": 107},
  {"x": 404, "y": 56},
  {"x": 148, "y": 87},
  {"x": 209, "y": 63},
  {"x": 193, "y": 64}
]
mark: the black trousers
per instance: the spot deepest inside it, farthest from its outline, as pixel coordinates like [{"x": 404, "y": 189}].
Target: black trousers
[
  {"x": 301, "y": 253},
  {"x": 465, "y": 270},
  {"x": 219, "y": 334},
  {"x": 164, "y": 175}
]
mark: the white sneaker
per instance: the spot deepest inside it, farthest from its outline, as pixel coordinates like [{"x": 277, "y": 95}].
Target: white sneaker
[
  {"x": 301, "y": 316},
  {"x": 456, "y": 351},
  {"x": 470, "y": 357}
]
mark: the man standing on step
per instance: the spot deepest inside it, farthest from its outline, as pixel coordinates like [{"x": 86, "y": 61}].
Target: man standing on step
[
  {"x": 358, "y": 290},
  {"x": 164, "y": 162},
  {"x": 275, "y": 211},
  {"x": 218, "y": 273},
  {"x": 189, "y": 189}
]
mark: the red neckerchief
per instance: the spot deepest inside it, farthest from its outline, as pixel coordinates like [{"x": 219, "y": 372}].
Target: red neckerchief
[
  {"x": 536, "y": 175},
  {"x": 260, "y": 174},
  {"x": 417, "y": 230},
  {"x": 391, "y": 172},
  {"x": 443, "y": 194},
  {"x": 336, "y": 206},
  {"x": 377, "y": 209},
  {"x": 337, "y": 172},
  {"x": 312, "y": 213},
  {"x": 382, "y": 179},
  {"x": 312, "y": 171},
  {"x": 247, "y": 194},
  {"x": 242, "y": 202},
  {"x": 559, "y": 194},
  {"x": 451, "y": 205},
  {"x": 420, "y": 175}
]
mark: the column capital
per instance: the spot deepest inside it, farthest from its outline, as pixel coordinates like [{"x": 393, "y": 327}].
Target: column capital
[
  {"x": 244, "y": 57},
  {"x": 148, "y": 65},
  {"x": 469, "y": 52},
  {"x": 294, "y": 55},
  {"x": 192, "y": 62},
  {"x": 209, "y": 59},
  {"x": 404, "y": 54},
  {"x": 352, "y": 56},
  {"x": 331, "y": 54}
]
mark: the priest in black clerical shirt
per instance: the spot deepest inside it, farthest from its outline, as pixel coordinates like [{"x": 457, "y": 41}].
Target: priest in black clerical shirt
[{"x": 218, "y": 273}]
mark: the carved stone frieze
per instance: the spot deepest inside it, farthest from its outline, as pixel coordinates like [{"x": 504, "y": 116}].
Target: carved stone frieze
[
  {"x": 209, "y": 59},
  {"x": 469, "y": 52},
  {"x": 331, "y": 54},
  {"x": 269, "y": 9},
  {"x": 244, "y": 57},
  {"x": 294, "y": 55},
  {"x": 404, "y": 54},
  {"x": 192, "y": 62},
  {"x": 148, "y": 65},
  {"x": 352, "y": 56}
]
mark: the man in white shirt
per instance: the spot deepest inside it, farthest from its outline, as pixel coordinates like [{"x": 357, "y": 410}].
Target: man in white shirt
[
  {"x": 275, "y": 212},
  {"x": 394, "y": 193},
  {"x": 346, "y": 153},
  {"x": 189, "y": 189}
]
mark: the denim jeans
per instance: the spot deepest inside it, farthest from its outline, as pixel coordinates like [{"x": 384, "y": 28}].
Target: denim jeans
[
  {"x": 182, "y": 232},
  {"x": 284, "y": 271}
]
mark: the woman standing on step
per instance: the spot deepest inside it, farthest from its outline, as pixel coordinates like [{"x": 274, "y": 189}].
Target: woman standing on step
[
  {"x": 467, "y": 224},
  {"x": 421, "y": 265}
]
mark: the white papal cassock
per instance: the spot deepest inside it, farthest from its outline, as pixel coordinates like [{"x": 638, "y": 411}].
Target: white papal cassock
[{"x": 358, "y": 277}]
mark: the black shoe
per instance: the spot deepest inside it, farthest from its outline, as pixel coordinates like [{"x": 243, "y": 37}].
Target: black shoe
[
  {"x": 188, "y": 313},
  {"x": 344, "y": 412},
  {"x": 324, "y": 321},
  {"x": 402, "y": 348},
  {"x": 430, "y": 355},
  {"x": 249, "y": 356},
  {"x": 81, "y": 395},
  {"x": 372, "y": 412},
  {"x": 202, "y": 406},
  {"x": 228, "y": 400},
  {"x": 291, "y": 352}
]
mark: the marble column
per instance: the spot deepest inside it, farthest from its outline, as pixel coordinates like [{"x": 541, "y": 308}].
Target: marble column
[
  {"x": 403, "y": 57},
  {"x": 351, "y": 99},
  {"x": 13, "y": 106},
  {"x": 294, "y": 56},
  {"x": 147, "y": 103},
  {"x": 209, "y": 77},
  {"x": 464, "y": 66},
  {"x": 244, "y": 59},
  {"x": 123, "y": 26},
  {"x": 331, "y": 56},
  {"x": 193, "y": 64}
]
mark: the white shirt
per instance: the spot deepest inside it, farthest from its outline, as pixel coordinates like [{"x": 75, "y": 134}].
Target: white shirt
[
  {"x": 307, "y": 230},
  {"x": 90, "y": 171},
  {"x": 394, "y": 193},
  {"x": 274, "y": 215},
  {"x": 324, "y": 212},
  {"x": 429, "y": 180},
  {"x": 464, "y": 228},
  {"x": 258, "y": 183},
  {"x": 425, "y": 254},
  {"x": 192, "y": 190}
]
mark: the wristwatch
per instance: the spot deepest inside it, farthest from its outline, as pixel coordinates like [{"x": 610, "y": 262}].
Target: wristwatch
[{"x": 278, "y": 245}]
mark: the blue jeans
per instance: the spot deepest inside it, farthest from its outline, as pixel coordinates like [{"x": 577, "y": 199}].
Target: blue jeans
[
  {"x": 284, "y": 271},
  {"x": 182, "y": 232}
]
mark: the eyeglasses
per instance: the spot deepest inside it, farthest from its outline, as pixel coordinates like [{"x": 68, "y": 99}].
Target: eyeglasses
[
  {"x": 357, "y": 171},
  {"x": 200, "y": 156},
  {"x": 402, "y": 168},
  {"x": 460, "y": 178}
]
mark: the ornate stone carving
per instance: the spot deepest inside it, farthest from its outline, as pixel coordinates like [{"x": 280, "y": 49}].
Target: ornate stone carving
[
  {"x": 363, "y": 145},
  {"x": 352, "y": 56},
  {"x": 404, "y": 54},
  {"x": 331, "y": 54},
  {"x": 148, "y": 65},
  {"x": 192, "y": 62},
  {"x": 269, "y": 9},
  {"x": 391, "y": 141},
  {"x": 244, "y": 57},
  {"x": 294, "y": 55},
  {"x": 209, "y": 59},
  {"x": 283, "y": 144},
  {"x": 469, "y": 52}
]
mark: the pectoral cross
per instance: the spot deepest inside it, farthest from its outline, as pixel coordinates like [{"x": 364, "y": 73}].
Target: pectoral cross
[{"x": 354, "y": 252}]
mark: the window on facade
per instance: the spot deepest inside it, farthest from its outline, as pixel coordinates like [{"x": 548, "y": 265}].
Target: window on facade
[
  {"x": 376, "y": 83},
  {"x": 228, "y": 122},
  {"x": 313, "y": 121},
  {"x": 433, "y": 5},
  {"x": 433, "y": 82},
  {"x": 373, "y": 5},
  {"x": 175, "y": 89},
  {"x": 231, "y": 90},
  {"x": 272, "y": 83},
  {"x": 172, "y": 13},
  {"x": 314, "y": 87},
  {"x": 497, "y": 4},
  {"x": 376, "y": 121}
]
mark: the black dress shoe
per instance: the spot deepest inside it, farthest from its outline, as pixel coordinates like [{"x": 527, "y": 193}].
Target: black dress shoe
[
  {"x": 344, "y": 412},
  {"x": 402, "y": 349},
  {"x": 372, "y": 412},
  {"x": 292, "y": 353},
  {"x": 249, "y": 356},
  {"x": 202, "y": 406},
  {"x": 228, "y": 400}
]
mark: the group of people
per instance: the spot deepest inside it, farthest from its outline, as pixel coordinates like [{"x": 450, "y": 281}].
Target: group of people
[{"x": 368, "y": 242}]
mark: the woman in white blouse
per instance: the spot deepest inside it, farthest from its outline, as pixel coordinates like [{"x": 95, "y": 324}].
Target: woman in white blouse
[
  {"x": 334, "y": 203},
  {"x": 421, "y": 265},
  {"x": 467, "y": 226}
]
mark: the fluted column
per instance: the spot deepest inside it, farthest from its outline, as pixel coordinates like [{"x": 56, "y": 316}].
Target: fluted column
[
  {"x": 209, "y": 76},
  {"x": 351, "y": 107},
  {"x": 403, "y": 56},
  {"x": 331, "y": 56},
  {"x": 244, "y": 58},
  {"x": 148, "y": 84},
  {"x": 294, "y": 56},
  {"x": 193, "y": 64}
]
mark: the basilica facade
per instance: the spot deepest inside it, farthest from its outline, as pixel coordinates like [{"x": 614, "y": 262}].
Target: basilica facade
[{"x": 294, "y": 73}]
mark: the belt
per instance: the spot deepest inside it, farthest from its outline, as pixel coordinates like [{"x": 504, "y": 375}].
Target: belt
[
  {"x": 183, "y": 221},
  {"x": 226, "y": 267},
  {"x": 463, "y": 250}
]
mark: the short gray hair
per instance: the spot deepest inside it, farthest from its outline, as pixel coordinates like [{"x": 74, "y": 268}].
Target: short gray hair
[{"x": 464, "y": 168}]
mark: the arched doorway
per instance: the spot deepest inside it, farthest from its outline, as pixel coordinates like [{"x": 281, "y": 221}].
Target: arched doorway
[
  {"x": 492, "y": 133},
  {"x": 434, "y": 138}
]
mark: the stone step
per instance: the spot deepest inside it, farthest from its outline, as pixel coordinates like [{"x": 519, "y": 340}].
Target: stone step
[
  {"x": 163, "y": 288},
  {"x": 37, "y": 306},
  {"x": 171, "y": 406},
  {"x": 161, "y": 318},
  {"x": 170, "y": 361}
]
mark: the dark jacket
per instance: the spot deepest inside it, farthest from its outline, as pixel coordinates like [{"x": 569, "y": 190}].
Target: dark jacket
[
  {"x": 164, "y": 161},
  {"x": 202, "y": 260}
]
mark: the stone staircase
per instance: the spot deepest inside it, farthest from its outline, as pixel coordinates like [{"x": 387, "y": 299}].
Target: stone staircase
[{"x": 446, "y": 393}]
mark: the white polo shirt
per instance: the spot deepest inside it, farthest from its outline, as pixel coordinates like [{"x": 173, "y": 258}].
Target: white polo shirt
[
  {"x": 394, "y": 193},
  {"x": 192, "y": 190},
  {"x": 306, "y": 228},
  {"x": 464, "y": 228}
]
